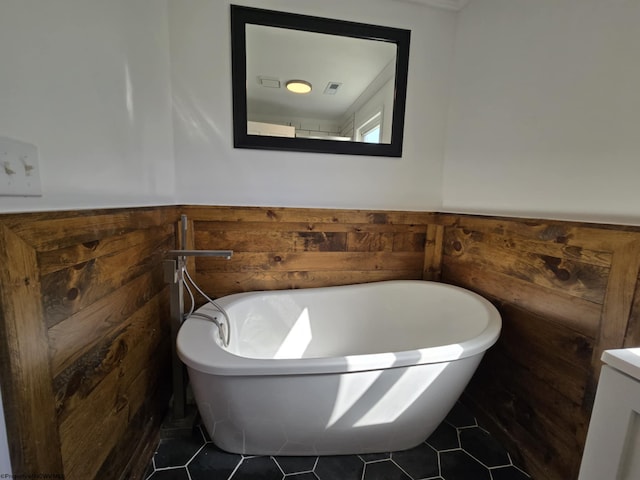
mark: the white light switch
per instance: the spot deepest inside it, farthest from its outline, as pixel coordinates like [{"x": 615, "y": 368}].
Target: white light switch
[{"x": 19, "y": 169}]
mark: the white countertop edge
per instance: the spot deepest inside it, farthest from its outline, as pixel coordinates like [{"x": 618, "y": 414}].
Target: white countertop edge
[{"x": 627, "y": 360}]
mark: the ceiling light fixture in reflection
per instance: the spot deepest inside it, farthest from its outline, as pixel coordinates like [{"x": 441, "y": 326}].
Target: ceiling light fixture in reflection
[{"x": 298, "y": 86}]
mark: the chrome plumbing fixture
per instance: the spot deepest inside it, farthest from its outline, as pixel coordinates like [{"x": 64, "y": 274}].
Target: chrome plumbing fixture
[{"x": 177, "y": 275}]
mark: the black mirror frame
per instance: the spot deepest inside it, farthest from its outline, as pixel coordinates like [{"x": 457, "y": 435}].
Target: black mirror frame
[{"x": 240, "y": 16}]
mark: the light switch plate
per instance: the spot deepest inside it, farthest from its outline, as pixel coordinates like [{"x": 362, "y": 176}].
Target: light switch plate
[{"x": 19, "y": 169}]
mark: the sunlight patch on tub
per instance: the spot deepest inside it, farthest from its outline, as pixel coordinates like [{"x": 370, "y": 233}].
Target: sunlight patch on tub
[
  {"x": 404, "y": 391},
  {"x": 298, "y": 338},
  {"x": 399, "y": 397},
  {"x": 351, "y": 390},
  {"x": 381, "y": 396}
]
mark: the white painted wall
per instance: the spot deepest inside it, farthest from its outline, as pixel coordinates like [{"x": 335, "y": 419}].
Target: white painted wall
[
  {"x": 210, "y": 171},
  {"x": 88, "y": 82},
  {"x": 545, "y": 113}
]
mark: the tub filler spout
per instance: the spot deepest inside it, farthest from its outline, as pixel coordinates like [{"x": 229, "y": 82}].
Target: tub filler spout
[
  {"x": 227, "y": 254},
  {"x": 179, "y": 279}
]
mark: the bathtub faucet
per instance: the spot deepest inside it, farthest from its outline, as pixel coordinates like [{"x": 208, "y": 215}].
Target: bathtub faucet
[
  {"x": 200, "y": 253},
  {"x": 176, "y": 274},
  {"x": 181, "y": 257}
]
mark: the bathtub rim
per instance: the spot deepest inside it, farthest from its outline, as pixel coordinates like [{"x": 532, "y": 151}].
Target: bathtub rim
[{"x": 198, "y": 335}]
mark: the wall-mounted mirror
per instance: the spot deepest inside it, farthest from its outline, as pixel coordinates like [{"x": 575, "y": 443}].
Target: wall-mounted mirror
[{"x": 351, "y": 80}]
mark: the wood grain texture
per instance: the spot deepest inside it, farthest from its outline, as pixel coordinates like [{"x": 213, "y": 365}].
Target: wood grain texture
[
  {"x": 26, "y": 378},
  {"x": 619, "y": 298},
  {"x": 308, "y": 216},
  {"x": 566, "y": 291},
  {"x": 434, "y": 249},
  {"x": 298, "y": 248},
  {"x": 72, "y": 289},
  {"x": 539, "y": 423},
  {"x": 46, "y": 231},
  {"x": 95, "y": 347},
  {"x": 91, "y": 357},
  {"x": 632, "y": 335},
  {"x": 555, "y": 305},
  {"x": 72, "y": 338},
  {"x": 503, "y": 255},
  {"x": 91, "y": 284}
]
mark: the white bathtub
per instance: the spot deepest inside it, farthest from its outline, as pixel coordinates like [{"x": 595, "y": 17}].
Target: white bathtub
[{"x": 337, "y": 370}]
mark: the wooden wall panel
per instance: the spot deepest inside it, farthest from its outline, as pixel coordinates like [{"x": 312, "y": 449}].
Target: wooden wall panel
[
  {"x": 297, "y": 248},
  {"x": 84, "y": 315},
  {"x": 566, "y": 291},
  {"x": 433, "y": 252},
  {"x": 90, "y": 354},
  {"x": 26, "y": 375},
  {"x": 632, "y": 335}
]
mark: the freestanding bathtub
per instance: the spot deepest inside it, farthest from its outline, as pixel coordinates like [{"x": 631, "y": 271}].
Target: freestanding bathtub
[{"x": 373, "y": 367}]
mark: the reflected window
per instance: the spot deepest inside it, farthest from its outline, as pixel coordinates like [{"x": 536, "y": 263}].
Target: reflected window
[{"x": 371, "y": 130}]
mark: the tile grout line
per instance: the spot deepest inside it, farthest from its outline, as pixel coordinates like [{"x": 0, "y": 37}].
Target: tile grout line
[{"x": 446, "y": 439}]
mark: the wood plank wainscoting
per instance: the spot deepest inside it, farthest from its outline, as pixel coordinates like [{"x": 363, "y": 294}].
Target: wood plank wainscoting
[
  {"x": 84, "y": 315},
  {"x": 84, "y": 339},
  {"x": 566, "y": 291},
  {"x": 277, "y": 248},
  {"x": 84, "y": 335}
]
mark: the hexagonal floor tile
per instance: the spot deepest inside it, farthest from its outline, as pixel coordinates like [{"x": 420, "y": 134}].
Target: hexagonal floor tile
[
  {"x": 373, "y": 457},
  {"x": 257, "y": 468},
  {"x": 445, "y": 437},
  {"x": 302, "y": 476},
  {"x": 384, "y": 470},
  {"x": 419, "y": 462},
  {"x": 457, "y": 450},
  {"x": 458, "y": 465},
  {"x": 483, "y": 447},
  {"x": 173, "y": 452},
  {"x": 460, "y": 416},
  {"x": 211, "y": 462},
  {"x": 339, "y": 467},
  {"x": 509, "y": 473},
  {"x": 179, "y": 473},
  {"x": 291, "y": 465}
]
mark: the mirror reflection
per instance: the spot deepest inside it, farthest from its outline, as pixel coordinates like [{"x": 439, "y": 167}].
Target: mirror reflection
[
  {"x": 314, "y": 84},
  {"x": 348, "y": 85}
]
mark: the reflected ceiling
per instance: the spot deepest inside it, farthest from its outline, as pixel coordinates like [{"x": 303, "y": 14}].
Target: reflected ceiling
[{"x": 278, "y": 55}]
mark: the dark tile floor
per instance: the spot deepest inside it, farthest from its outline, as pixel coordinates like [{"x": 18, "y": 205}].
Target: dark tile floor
[{"x": 458, "y": 450}]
